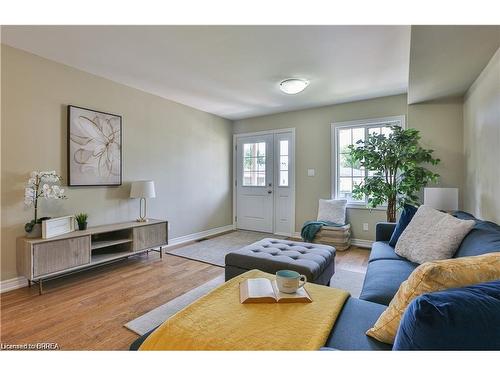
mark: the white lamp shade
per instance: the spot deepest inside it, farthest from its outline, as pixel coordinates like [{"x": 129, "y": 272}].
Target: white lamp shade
[
  {"x": 445, "y": 199},
  {"x": 142, "y": 189}
]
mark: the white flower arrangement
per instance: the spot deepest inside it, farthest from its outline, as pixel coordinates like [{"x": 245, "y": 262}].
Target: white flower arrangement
[{"x": 41, "y": 184}]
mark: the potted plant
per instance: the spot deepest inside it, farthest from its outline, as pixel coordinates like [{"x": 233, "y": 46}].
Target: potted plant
[
  {"x": 41, "y": 185},
  {"x": 396, "y": 163},
  {"x": 81, "y": 219}
]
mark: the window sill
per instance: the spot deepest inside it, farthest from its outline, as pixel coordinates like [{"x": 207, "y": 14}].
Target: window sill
[{"x": 361, "y": 206}]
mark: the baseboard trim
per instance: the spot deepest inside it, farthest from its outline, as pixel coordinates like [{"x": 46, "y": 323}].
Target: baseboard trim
[
  {"x": 361, "y": 243},
  {"x": 21, "y": 281},
  {"x": 11, "y": 284},
  {"x": 196, "y": 236}
]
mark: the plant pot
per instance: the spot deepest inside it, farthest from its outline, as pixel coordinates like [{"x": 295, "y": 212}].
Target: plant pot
[
  {"x": 82, "y": 226},
  {"x": 35, "y": 232}
]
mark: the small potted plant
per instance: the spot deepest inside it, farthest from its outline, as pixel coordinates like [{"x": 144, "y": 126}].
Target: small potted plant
[
  {"x": 81, "y": 219},
  {"x": 38, "y": 187}
]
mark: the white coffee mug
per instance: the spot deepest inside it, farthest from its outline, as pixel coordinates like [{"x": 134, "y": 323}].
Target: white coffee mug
[{"x": 289, "y": 281}]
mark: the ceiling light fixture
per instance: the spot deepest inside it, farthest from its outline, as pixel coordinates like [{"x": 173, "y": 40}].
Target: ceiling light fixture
[{"x": 293, "y": 85}]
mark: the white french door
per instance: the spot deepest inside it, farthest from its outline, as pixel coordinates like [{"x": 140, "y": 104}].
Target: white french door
[{"x": 265, "y": 182}]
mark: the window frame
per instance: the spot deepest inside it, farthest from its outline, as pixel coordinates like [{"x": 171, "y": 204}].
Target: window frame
[{"x": 335, "y": 159}]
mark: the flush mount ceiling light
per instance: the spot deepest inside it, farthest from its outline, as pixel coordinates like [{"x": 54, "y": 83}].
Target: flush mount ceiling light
[{"x": 293, "y": 85}]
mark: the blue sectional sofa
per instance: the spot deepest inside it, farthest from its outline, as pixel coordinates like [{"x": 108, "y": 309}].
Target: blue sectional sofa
[{"x": 386, "y": 271}]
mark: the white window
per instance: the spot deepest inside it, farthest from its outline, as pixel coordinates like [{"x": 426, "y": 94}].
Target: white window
[{"x": 346, "y": 173}]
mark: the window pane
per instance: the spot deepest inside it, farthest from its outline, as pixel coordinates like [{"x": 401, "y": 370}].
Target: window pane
[
  {"x": 345, "y": 185},
  {"x": 283, "y": 178},
  {"x": 345, "y": 165},
  {"x": 386, "y": 130},
  {"x": 358, "y": 171},
  {"x": 355, "y": 182},
  {"x": 374, "y": 130},
  {"x": 344, "y": 139},
  {"x": 284, "y": 147},
  {"x": 358, "y": 134}
]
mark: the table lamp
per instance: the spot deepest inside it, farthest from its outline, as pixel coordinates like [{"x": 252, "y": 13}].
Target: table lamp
[
  {"x": 443, "y": 199},
  {"x": 142, "y": 190}
]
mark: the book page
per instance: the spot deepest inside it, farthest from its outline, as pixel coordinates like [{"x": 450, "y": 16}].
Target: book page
[
  {"x": 257, "y": 290},
  {"x": 300, "y": 296}
]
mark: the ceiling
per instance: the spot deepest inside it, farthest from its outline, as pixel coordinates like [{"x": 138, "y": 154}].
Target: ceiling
[
  {"x": 446, "y": 60},
  {"x": 232, "y": 71}
]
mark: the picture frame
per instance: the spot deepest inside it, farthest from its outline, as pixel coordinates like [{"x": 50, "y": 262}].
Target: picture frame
[
  {"x": 94, "y": 147},
  {"x": 58, "y": 226}
]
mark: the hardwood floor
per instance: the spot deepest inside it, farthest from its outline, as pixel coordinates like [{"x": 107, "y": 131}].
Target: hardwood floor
[{"x": 87, "y": 311}]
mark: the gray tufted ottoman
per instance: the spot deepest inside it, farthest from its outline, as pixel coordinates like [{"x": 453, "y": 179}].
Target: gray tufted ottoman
[{"x": 315, "y": 261}]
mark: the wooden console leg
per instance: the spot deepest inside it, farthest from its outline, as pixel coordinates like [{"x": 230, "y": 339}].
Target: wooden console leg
[
  {"x": 161, "y": 252},
  {"x": 29, "y": 283},
  {"x": 40, "y": 287}
]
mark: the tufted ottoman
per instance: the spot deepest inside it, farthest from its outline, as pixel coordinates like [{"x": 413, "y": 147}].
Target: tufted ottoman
[{"x": 315, "y": 261}]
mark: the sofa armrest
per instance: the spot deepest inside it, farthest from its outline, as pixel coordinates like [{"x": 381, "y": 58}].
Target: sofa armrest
[{"x": 383, "y": 231}]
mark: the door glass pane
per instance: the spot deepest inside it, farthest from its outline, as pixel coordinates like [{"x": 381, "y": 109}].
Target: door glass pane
[
  {"x": 283, "y": 178},
  {"x": 254, "y": 164},
  {"x": 283, "y": 169},
  {"x": 284, "y": 148}
]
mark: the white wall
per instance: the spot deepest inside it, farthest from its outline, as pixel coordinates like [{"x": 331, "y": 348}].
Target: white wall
[{"x": 482, "y": 143}]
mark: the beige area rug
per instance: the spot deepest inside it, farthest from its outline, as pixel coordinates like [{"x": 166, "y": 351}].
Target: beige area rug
[
  {"x": 343, "y": 279},
  {"x": 214, "y": 250}
]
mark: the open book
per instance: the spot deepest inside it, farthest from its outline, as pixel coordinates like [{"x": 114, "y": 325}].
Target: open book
[{"x": 263, "y": 290}]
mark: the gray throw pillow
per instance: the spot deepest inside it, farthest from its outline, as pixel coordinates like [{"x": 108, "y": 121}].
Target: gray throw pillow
[{"x": 432, "y": 235}]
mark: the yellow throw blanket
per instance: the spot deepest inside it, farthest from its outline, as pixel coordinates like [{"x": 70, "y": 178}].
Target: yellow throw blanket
[{"x": 218, "y": 321}]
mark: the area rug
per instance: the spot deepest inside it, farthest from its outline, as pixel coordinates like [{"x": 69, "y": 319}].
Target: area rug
[
  {"x": 348, "y": 280},
  {"x": 343, "y": 279},
  {"x": 214, "y": 250}
]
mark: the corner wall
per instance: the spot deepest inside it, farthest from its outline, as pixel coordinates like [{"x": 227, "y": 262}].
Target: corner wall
[
  {"x": 187, "y": 152},
  {"x": 482, "y": 143}
]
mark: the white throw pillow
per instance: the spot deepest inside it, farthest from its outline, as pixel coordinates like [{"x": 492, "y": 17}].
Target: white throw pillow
[
  {"x": 332, "y": 210},
  {"x": 432, "y": 235}
]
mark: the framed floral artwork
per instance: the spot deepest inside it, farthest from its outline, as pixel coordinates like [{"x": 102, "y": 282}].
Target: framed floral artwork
[{"x": 94, "y": 148}]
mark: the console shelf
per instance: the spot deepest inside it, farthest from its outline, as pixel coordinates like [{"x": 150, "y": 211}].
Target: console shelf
[{"x": 100, "y": 244}]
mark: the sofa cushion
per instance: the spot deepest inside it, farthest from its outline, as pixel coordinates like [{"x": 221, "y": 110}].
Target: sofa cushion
[
  {"x": 356, "y": 317},
  {"x": 483, "y": 238},
  {"x": 432, "y": 235},
  {"x": 433, "y": 277},
  {"x": 382, "y": 250},
  {"x": 383, "y": 278},
  {"x": 405, "y": 218},
  {"x": 271, "y": 255},
  {"x": 454, "y": 319}
]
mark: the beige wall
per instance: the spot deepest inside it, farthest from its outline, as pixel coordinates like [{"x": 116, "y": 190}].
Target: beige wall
[
  {"x": 440, "y": 124},
  {"x": 313, "y": 151},
  {"x": 185, "y": 151},
  {"x": 482, "y": 143}
]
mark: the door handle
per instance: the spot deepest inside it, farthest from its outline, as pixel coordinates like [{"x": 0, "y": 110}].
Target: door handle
[{"x": 269, "y": 192}]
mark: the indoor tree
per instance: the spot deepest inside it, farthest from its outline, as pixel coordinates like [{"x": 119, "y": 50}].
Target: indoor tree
[{"x": 395, "y": 162}]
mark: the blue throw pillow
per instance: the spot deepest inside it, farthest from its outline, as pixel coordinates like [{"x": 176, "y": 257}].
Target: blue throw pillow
[
  {"x": 455, "y": 319},
  {"x": 406, "y": 216}
]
